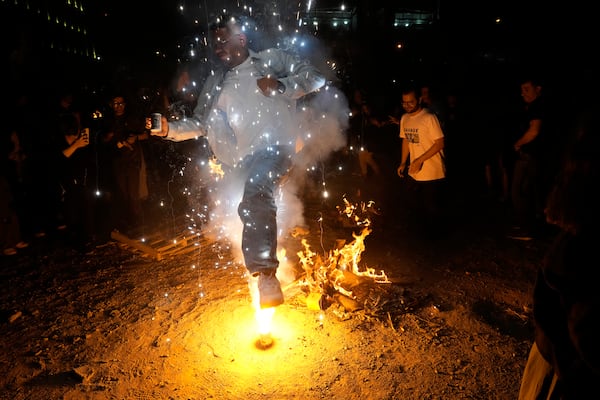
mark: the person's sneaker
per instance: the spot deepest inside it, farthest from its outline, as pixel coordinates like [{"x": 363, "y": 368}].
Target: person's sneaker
[
  {"x": 518, "y": 233},
  {"x": 269, "y": 289},
  {"x": 9, "y": 251}
]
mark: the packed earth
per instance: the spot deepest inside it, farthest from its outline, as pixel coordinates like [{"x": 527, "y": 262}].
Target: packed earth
[{"x": 173, "y": 318}]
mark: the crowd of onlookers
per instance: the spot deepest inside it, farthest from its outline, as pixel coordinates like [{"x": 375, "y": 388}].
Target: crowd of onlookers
[
  {"x": 80, "y": 166},
  {"x": 85, "y": 164},
  {"x": 502, "y": 144}
]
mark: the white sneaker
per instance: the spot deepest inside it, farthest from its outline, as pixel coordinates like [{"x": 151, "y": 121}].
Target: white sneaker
[
  {"x": 9, "y": 251},
  {"x": 269, "y": 289}
]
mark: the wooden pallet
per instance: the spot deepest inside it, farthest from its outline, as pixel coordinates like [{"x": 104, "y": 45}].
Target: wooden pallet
[{"x": 162, "y": 243}]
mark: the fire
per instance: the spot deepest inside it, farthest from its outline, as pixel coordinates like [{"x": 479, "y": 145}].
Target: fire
[
  {"x": 263, "y": 316},
  {"x": 215, "y": 168},
  {"x": 323, "y": 273},
  {"x": 339, "y": 264},
  {"x": 351, "y": 211}
]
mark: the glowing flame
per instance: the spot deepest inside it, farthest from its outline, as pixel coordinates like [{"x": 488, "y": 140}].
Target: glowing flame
[
  {"x": 215, "y": 168},
  {"x": 263, "y": 316},
  {"x": 351, "y": 211},
  {"x": 334, "y": 268}
]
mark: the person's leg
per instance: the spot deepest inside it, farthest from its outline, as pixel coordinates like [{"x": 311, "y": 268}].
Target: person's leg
[
  {"x": 258, "y": 213},
  {"x": 120, "y": 199},
  {"x": 362, "y": 162},
  {"x": 372, "y": 163},
  {"x": 133, "y": 196},
  {"x": 522, "y": 196},
  {"x": 434, "y": 217},
  {"x": 517, "y": 192}
]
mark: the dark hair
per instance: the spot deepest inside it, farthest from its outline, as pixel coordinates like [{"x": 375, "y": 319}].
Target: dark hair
[
  {"x": 231, "y": 22},
  {"x": 68, "y": 124},
  {"x": 534, "y": 78},
  {"x": 411, "y": 87},
  {"x": 225, "y": 21}
]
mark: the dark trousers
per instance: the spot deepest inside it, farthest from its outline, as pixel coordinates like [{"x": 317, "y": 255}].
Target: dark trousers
[
  {"x": 429, "y": 207},
  {"x": 527, "y": 191}
]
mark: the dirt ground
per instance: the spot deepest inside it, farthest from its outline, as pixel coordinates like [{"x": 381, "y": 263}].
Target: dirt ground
[{"x": 118, "y": 322}]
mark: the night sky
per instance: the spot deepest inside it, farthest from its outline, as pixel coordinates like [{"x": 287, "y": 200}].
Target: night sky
[
  {"x": 560, "y": 34},
  {"x": 147, "y": 37}
]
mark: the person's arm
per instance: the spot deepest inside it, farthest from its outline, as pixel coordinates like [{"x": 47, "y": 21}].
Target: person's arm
[
  {"x": 297, "y": 76},
  {"x": 181, "y": 130},
  {"x": 530, "y": 134},
  {"x": 81, "y": 141},
  {"x": 270, "y": 86},
  {"x": 194, "y": 126},
  {"x": 436, "y": 147},
  {"x": 143, "y": 136}
]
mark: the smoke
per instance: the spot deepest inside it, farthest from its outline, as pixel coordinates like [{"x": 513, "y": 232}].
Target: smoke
[{"x": 322, "y": 120}]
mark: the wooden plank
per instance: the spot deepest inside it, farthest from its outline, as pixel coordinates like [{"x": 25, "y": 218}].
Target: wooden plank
[
  {"x": 158, "y": 246},
  {"x": 179, "y": 242},
  {"x": 135, "y": 244}
]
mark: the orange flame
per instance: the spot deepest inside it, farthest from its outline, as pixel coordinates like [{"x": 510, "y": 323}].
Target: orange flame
[
  {"x": 215, "y": 168},
  {"x": 263, "y": 316},
  {"x": 332, "y": 269}
]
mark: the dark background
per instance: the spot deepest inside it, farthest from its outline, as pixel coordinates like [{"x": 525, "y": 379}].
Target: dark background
[{"x": 463, "y": 47}]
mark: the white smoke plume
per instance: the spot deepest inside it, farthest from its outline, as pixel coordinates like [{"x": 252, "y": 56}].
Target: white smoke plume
[{"x": 322, "y": 118}]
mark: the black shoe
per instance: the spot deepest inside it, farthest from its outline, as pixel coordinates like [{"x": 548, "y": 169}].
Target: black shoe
[{"x": 519, "y": 233}]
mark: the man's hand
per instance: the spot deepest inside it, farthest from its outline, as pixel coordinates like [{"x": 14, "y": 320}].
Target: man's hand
[
  {"x": 401, "y": 169},
  {"x": 393, "y": 120},
  {"x": 267, "y": 85},
  {"x": 164, "y": 132},
  {"x": 83, "y": 139}
]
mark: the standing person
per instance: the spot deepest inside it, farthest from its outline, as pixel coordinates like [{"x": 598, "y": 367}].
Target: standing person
[
  {"x": 564, "y": 361},
  {"x": 429, "y": 98},
  {"x": 423, "y": 145},
  {"x": 370, "y": 133},
  {"x": 10, "y": 224},
  {"x": 10, "y": 230},
  {"x": 533, "y": 169},
  {"x": 74, "y": 165},
  {"x": 364, "y": 127},
  {"x": 247, "y": 115},
  {"x": 120, "y": 144},
  {"x": 66, "y": 105},
  {"x": 42, "y": 167}
]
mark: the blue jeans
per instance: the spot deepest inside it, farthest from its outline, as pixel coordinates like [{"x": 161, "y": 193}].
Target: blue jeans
[{"x": 263, "y": 170}]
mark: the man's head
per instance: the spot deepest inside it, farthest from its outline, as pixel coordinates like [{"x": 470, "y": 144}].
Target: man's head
[
  {"x": 425, "y": 98},
  {"x": 68, "y": 125},
  {"x": 117, "y": 103},
  {"x": 229, "y": 42},
  {"x": 410, "y": 100},
  {"x": 530, "y": 90},
  {"x": 66, "y": 100}
]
